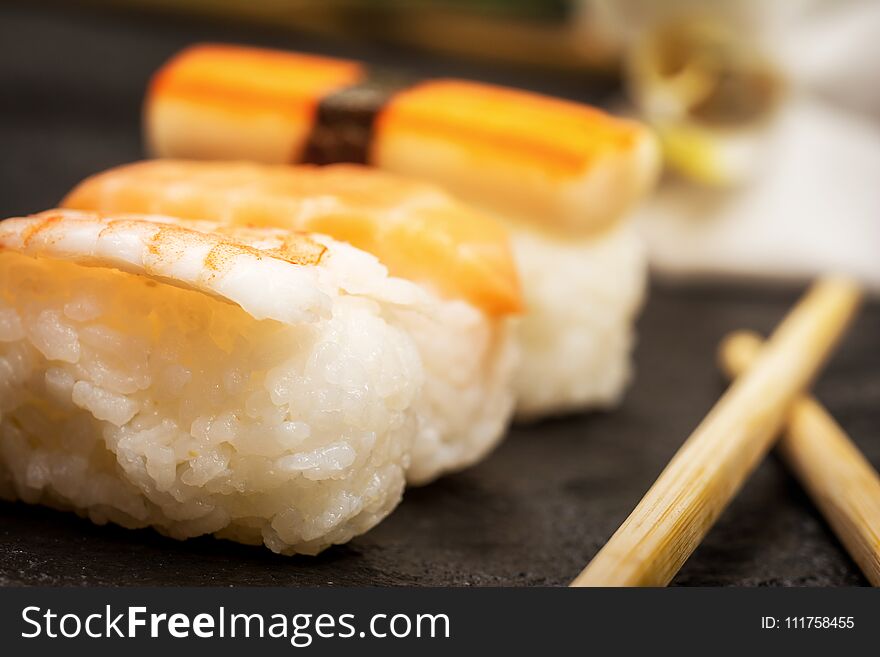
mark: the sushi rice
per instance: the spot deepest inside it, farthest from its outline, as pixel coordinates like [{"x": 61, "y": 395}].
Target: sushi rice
[
  {"x": 223, "y": 381},
  {"x": 583, "y": 297}
]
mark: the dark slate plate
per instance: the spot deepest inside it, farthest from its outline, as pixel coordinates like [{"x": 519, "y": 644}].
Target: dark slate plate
[{"x": 534, "y": 512}]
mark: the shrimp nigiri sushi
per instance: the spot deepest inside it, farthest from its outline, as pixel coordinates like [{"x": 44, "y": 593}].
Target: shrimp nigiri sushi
[
  {"x": 260, "y": 385},
  {"x": 461, "y": 259},
  {"x": 560, "y": 175}
]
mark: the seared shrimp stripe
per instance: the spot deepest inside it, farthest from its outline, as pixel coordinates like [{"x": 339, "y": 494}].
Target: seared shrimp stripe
[{"x": 414, "y": 229}]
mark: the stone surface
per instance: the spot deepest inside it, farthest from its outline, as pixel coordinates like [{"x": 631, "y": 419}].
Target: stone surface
[{"x": 533, "y": 513}]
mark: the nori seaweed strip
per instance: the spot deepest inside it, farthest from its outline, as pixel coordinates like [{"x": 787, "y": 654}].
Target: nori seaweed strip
[{"x": 343, "y": 128}]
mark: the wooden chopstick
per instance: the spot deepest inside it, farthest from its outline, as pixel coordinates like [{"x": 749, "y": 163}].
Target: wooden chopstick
[
  {"x": 704, "y": 475},
  {"x": 842, "y": 483}
]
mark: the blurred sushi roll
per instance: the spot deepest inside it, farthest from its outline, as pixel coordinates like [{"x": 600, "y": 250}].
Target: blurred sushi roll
[
  {"x": 462, "y": 286},
  {"x": 203, "y": 379},
  {"x": 560, "y": 175}
]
